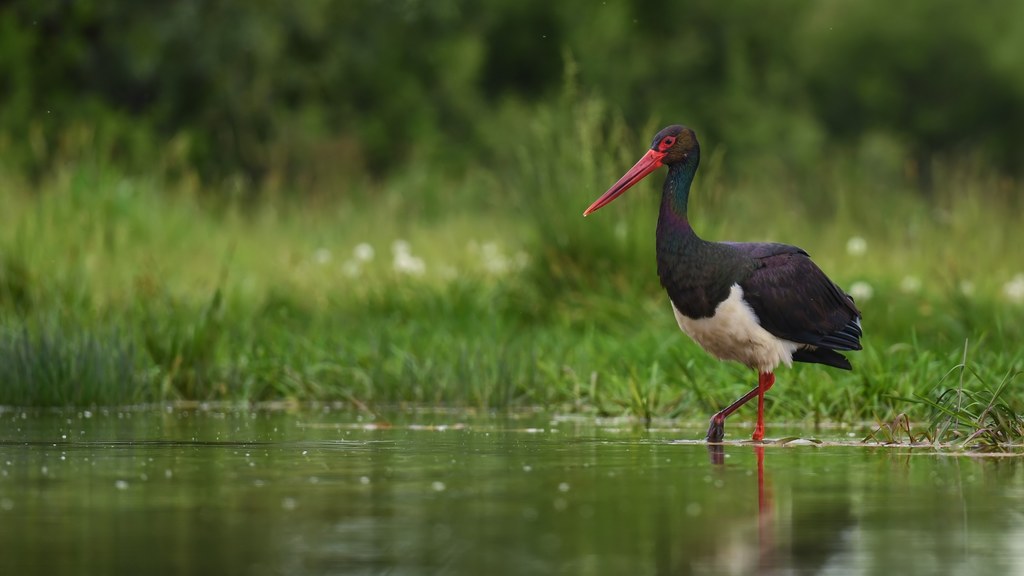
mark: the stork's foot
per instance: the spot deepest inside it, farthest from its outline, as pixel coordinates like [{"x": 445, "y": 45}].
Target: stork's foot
[{"x": 716, "y": 430}]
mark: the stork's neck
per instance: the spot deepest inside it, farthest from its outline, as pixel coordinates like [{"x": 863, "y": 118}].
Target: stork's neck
[
  {"x": 673, "y": 225},
  {"x": 697, "y": 274}
]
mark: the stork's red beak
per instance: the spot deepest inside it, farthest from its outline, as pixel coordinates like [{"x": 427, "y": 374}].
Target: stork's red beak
[{"x": 647, "y": 164}]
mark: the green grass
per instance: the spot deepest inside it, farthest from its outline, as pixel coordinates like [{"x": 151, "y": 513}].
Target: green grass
[
  {"x": 120, "y": 289},
  {"x": 972, "y": 414}
]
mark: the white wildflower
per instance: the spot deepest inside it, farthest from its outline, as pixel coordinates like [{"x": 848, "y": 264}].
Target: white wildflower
[
  {"x": 861, "y": 291},
  {"x": 322, "y": 256},
  {"x": 400, "y": 247},
  {"x": 1014, "y": 289},
  {"x": 363, "y": 252},
  {"x": 352, "y": 269},
  {"x": 404, "y": 262},
  {"x": 856, "y": 246},
  {"x": 490, "y": 249},
  {"x": 409, "y": 264},
  {"x": 910, "y": 284},
  {"x": 494, "y": 260}
]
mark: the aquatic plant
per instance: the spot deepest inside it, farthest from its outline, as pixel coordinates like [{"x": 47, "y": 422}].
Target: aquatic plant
[
  {"x": 983, "y": 417},
  {"x": 50, "y": 365}
]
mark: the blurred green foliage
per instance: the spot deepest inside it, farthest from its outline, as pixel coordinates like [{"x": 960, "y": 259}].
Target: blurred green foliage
[
  {"x": 468, "y": 138},
  {"x": 319, "y": 91}
]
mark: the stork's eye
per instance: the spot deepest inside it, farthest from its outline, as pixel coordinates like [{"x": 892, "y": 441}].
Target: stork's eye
[{"x": 667, "y": 142}]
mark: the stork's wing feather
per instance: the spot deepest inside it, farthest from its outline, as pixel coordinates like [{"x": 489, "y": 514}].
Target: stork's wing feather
[{"x": 794, "y": 300}]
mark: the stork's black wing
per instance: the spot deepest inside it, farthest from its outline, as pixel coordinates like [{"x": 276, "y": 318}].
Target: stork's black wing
[{"x": 794, "y": 300}]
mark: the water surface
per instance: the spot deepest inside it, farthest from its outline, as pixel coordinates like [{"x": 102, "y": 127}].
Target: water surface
[{"x": 176, "y": 491}]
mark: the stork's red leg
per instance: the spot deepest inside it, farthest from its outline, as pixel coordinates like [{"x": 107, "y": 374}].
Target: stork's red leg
[
  {"x": 765, "y": 381},
  {"x": 716, "y": 430}
]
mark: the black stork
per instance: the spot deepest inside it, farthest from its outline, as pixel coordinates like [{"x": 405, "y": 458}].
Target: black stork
[{"x": 759, "y": 304}]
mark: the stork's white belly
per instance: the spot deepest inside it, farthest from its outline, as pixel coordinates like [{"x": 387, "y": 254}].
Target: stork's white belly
[{"x": 733, "y": 333}]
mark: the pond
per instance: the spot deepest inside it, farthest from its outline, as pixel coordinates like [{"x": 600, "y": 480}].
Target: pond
[{"x": 220, "y": 491}]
